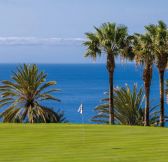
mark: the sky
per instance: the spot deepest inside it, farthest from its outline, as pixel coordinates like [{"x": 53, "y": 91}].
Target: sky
[{"x": 52, "y": 31}]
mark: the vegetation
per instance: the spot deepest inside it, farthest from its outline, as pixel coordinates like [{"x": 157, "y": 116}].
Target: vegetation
[
  {"x": 113, "y": 40},
  {"x": 59, "y": 116},
  {"x": 128, "y": 106},
  {"x": 167, "y": 90},
  {"x": 143, "y": 50},
  {"x": 159, "y": 37},
  {"x": 81, "y": 143},
  {"x": 147, "y": 49},
  {"x": 22, "y": 97}
]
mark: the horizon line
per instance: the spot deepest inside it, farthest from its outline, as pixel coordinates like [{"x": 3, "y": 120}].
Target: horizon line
[{"x": 62, "y": 63}]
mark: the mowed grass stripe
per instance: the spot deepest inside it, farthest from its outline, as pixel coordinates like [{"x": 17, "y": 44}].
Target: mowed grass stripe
[{"x": 82, "y": 143}]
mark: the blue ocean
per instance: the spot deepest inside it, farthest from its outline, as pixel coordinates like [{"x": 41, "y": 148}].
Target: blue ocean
[{"x": 86, "y": 84}]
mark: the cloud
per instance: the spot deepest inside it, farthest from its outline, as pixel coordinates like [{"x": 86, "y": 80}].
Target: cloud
[{"x": 40, "y": 41}]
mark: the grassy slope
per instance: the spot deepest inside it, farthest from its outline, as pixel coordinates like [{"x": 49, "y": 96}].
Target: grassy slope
[{"x": 78, "y": 143}]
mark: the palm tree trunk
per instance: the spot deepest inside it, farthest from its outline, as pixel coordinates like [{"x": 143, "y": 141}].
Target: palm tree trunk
[
  {"x": 110, "y": 67},
  {"x": 147, "y": 76},
  {"x": 147, "y": 92},
  {"x": 111, "y": 105},
  {"x": 161, "y": 75}
]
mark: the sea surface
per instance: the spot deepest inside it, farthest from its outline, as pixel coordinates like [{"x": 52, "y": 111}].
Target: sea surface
[{"x": 86, "y": 84}]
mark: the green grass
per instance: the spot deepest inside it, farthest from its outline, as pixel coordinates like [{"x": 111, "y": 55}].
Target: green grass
[{"x": 82, "y": 143}]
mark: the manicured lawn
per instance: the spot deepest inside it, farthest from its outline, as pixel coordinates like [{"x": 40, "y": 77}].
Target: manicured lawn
[{"x": 82, "y": 143}]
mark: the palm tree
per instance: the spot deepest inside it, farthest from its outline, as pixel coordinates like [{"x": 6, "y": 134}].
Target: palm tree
[
  {"x": 167, "y": 90},
  {"x": 111, "y": 40},
  {"x": 159, "y": 35},
  {"x": 144, "y": 55},
  {"x": 22, "y": 97},
  {"x": 128, "y": 106},
  {"x": 59, "y": 116}
]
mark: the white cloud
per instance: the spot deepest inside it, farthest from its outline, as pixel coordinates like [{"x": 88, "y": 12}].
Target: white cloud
[{"x": 40, "y": 41}]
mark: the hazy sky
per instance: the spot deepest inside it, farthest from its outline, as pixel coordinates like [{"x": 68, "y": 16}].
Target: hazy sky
[{"x": 51, "y": 31}]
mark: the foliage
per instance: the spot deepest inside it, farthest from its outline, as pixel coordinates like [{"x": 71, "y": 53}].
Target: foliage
[
  {"x": 109, "y": 39},
  {"x": 59, "y": 116},
  {"x": 22, "y": 97},
  {"x": 112, "y": 40},
  {"x": 159, "y": 37},
  {"x": 128, "y": 107},
  {"x": 143, "y": 49},
  {"x": 167, "y": 90}
]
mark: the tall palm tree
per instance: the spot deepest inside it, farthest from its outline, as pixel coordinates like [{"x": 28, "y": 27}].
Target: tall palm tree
[
  {"x": 167, "y": 90},
  {"x": 159, "y": 35},
  {"x": 128, "y": 106},
  {"x": 144, "y": 55},
  {"x": 111, "y": 40},
  {"x": 22, "y": 97}
]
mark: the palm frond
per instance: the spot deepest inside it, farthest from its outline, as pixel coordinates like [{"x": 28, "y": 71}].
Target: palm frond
[
  {"x": 128, "y": 107},
  {"x": 21, "y": 97}
]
